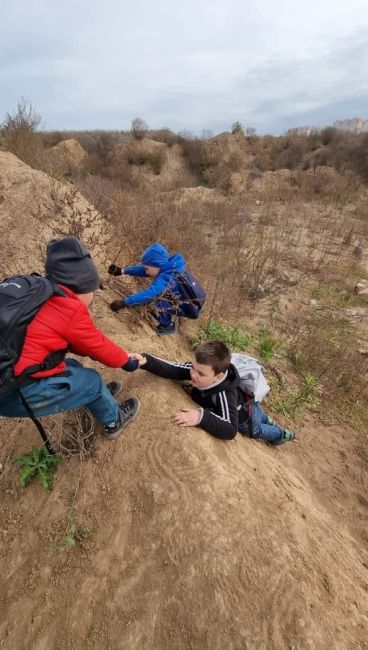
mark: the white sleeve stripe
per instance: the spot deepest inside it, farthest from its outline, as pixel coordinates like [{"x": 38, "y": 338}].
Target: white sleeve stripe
[
  {"x": 188, "y": 364},
  {"x": 219, "y": 417},
  {"x": 226, "y": 406}
]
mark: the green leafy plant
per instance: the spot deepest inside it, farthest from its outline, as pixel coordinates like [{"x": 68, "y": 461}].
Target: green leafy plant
[
  {"x": 267, "y": 344},
  {"x": 267, "y": 347},
  {"x": 37, "y": 463},
  {"x": 296, "y": 399},
  {"x": 232, "y": 335},
  {"x": 75, "y": 533}
]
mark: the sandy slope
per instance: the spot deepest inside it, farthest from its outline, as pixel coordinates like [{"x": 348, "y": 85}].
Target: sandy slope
[{"x": 195, "y": 543}]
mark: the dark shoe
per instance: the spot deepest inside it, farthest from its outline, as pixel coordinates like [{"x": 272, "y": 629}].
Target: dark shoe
[
  {"x": 169, "y": 329},
  {"x": 128, "y": 411},
  {"x": 115, "y": 387},
  {"x": 287, "y": 436}
]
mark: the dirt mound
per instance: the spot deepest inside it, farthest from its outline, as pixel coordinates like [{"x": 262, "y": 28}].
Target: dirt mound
[
  {"x": 226, "y": 146},
  {"x": 66, "y": 157},
  {"x": 33, "y": 209},
  {"x": 192, "y": 542},
  {"x": 151, "y": 165},
  {"x": 279, "y": 185}
]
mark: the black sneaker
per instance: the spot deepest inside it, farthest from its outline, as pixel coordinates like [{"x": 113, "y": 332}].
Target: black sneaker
[
  {"x": 169, "y": 329},
  {"x": 115, "y": 387},
  {"x": 128, "y": 411}
]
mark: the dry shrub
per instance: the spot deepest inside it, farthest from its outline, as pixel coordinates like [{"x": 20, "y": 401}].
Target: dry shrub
[
  {"x": 72, "y": 433},
  {"x": 326, "y": 345},
  {"x": 328, "y": 184},
  {"x": 235, "y": 160},
  {"x": 139, "y": 128},
  {"x": 195, "y": 154},
  {"x": 19, "y": 134},
  {"x": 165, "y": 135},
  {"x": 98, "y": 161},
  {"x": 156, "y": 159}
]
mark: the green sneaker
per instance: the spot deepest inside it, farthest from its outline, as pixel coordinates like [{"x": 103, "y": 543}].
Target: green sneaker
[{"x": 287, "y": 436}]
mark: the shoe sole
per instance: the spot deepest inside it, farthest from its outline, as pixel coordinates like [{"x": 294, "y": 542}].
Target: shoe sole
[
  {"x": 116, "y": 434},
  {"x": 165, "y": 333}
]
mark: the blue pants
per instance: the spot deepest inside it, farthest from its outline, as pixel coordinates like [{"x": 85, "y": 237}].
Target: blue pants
[
  {"x": 262, "y": 426},
  {"x": 83, "y": 387},
  {"x": 166, "y": 312}
]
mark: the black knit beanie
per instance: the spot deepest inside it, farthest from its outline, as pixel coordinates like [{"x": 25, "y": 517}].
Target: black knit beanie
[{"x": 69, "y": 262}]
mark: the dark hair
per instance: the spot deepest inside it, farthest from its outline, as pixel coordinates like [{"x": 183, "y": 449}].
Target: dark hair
[{"x": 215, "y": 354}]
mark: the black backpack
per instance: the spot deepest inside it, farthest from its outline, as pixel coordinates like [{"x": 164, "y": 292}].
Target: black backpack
[
  {"x": 20, "y": 299},
  {"x": 192, "y": 292}
]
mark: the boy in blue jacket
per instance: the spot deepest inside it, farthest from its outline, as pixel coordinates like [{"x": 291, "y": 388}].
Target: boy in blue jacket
[{"x": 156, "y": 263}]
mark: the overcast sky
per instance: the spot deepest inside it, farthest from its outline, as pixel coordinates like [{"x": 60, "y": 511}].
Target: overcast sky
[{"x": 198, "y": 64}]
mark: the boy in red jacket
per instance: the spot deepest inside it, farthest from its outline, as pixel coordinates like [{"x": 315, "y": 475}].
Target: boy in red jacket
[{"x": 64, "y": 323}]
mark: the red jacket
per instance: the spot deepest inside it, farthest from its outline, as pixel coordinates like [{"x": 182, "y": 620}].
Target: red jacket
[{"x": 63, "y": 322}]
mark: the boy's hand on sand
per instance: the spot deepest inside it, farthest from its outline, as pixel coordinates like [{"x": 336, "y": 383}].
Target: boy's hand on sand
[
  {"x": 186, "y": 418},
  {"x": 140, "y": 358}
]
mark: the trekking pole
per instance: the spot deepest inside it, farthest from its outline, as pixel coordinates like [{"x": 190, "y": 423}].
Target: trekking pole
[{"x": 38, "y": 424}]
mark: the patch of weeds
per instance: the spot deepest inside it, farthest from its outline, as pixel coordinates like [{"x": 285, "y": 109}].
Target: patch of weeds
[
  {"x": 267, "y": 344},
  {"x": 37, "y": 463},
  {"x": 335, "y": 295},
  {"x": 232, "y": 335},
  {"x": 75, "y": 533},
  {"x": 297, "y": 399},
  {"x": 267, "y": 348}
]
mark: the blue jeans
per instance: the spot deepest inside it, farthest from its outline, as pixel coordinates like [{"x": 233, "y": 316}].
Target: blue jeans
[
  {"x": 166, "y": 312},
  {"x": 262, "y": 426},
  {"x": 50, "y": 395}
]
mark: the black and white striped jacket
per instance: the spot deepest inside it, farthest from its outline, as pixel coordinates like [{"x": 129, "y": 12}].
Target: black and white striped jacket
[{"x": 221, "y": 405}]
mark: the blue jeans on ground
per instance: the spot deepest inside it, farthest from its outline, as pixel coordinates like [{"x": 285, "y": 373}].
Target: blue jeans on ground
[
  {"x": 262, "y": 426},
  {"x": 50, "y": 395},
  {"x": 165, "y": 312}
]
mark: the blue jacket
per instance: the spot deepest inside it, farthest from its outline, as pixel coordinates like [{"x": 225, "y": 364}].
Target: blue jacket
[{"x": 156, "y": 255}]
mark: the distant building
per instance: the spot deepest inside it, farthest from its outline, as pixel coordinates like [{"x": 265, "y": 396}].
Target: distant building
[{"x": 355, "y": 125}]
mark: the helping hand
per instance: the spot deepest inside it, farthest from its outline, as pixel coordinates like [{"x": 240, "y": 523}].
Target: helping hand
[
  {"x": 114, "y": 270},
  {"x": 186, "y": 418},
  {"x": 117, "y": 304},
  {"x": 140, "y": 358}
]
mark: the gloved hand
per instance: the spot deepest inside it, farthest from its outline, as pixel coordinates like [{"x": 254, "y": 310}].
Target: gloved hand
[
  {"x": 131, "y": 365},
  {"x": 114, "y": 269},
  {"x": 117, "y": 304}
]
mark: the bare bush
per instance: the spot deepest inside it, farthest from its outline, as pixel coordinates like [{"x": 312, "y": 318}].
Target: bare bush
[
  {"x": 19, "y": 133},
  {"x": 236, "y": 127},
  {"x": 165, "y": 135},
  {"x": 139, "y": 128},
  {"x": 156, "y": 158}
]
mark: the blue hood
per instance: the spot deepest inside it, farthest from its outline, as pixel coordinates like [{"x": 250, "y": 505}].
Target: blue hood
[{"x": 156, "y": 255}]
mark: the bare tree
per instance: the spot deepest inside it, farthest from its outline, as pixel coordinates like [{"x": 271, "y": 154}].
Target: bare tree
[{"x": 139, "y": 128}]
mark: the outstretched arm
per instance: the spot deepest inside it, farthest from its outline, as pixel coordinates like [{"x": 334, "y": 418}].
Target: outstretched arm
[
  {"x": 166, "y": 369},
  {"x": 137, "y": 270}
]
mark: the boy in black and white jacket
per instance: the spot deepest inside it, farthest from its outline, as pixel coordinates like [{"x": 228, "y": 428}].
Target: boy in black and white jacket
[
  {"x": 215, "y": 388},
  {"x": 223, "y": 407}
]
